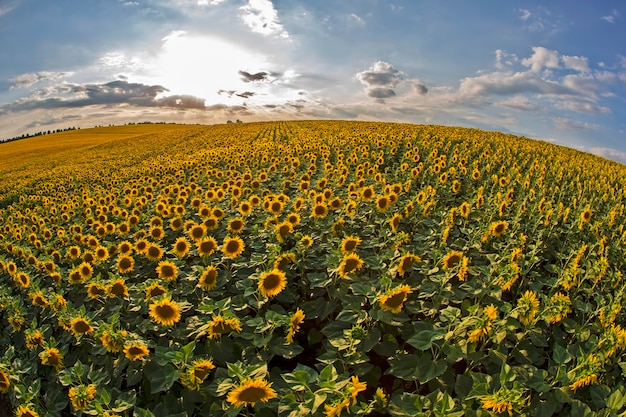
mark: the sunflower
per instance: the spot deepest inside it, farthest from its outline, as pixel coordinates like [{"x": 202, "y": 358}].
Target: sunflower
[
  {"x": 155, "y": 290},
  {"x": 38, "y": 299},
  {"x": 585, "y": 216},
  {"x": 350, "y": 263},
  {"x": 349, "y": 244},
  {"x": 294, "y": 324},
  {"x": 452, "y": 259},
  {"x": 135, "y": 350},
  {"x": 245, "y": 208},
  {"x": 406, "y": 263},
  {"x": 117, "y": 288},
  {"x": 197, "y": 374},
  {"x": 176, "y": 223},
  {"x": 394, "y": 222},
  {"x": 219, "y": 326},
  {"x": 197, "y": 232},
  {"x": 75, "y": 277},
  {"x": 528, "y": 305},
  {"x": 382, "y": 203},
  {"x": 181, "y": 247},
  {"x": 233, "y": 247},
  {"x": 51, "y": 356},
  {"x": 167, "y": 270},
  {"x": 283, "y": 229},
  {"x": 306, "y": 241},
  {"x": 491, "y": 312},
  {"x": 498, "y": 228},
  {"x": 251, "y": 391},
  {"x": 165, "y": 312},
  {"x": 271, "y": 283},
  {"x": 293, "y": 218},
  {"x": 125, "y": 264},
  {"x": 85, "y": 270},
  {"x": 154, "y": 252},
  {"x": 94, "y": 290},
  {"x": 284, "y": 260},
  {"x": 319, "y": 211},
  {"x": 5, "y": 383},
  {"x": 25, "y": 411},
  {"x": 79, "y": 326},
  {"x": 465, "y": 209},
  {"x": 368, "y": 193},
  {"x": 208, "y": 279},
  {"x": 113, "y": 342},
  {"x": 236, "y": 225},
  {"x": 394, "y": 299},
  {"x": 206, "y": 246},
  {"x": 142, "y": 246},
  {"x": 33, "y": 339},
  {"x": 81, "y": 396}
]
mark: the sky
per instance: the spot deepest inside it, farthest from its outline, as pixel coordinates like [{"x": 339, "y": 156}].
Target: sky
[{"x": 554, "y": 71}]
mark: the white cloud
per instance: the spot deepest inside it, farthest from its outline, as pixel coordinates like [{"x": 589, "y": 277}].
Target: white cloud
[
  {"x": 524, "y": 14},
  {"x": 27, "y": 80},
  {"x": 518, "y": 103},
  {"x": 504, "y": 59},
  {"x": 564, "y": 123},
  {"x": 261, "y": 17},
  {"x": 508, "y": 83},
  {"x": 576, "y": 63},
  {"x": 611, "y": 17},
  {"x": 357, "y": 19},
  {"x": 541, "y": 58}
]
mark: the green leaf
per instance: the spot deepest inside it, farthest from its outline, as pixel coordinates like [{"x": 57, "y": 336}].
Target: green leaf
[
  {"x": 141, "y": 412},
  {"x": 615, "y": 401},
  {"x": 430, "y": 369},
  {"x": 560, "y": 354},
  {"x": 301, "y": 377},
  {"x": 406, "y": 405},
  {"x": 328, "y": 376},
  {"x": 161, "y": 378},
  {"x": 286, "y": 351},
  {"x": 423, "y": 339},
  {"x": 105, "y": 397},
  {"x": 405, "y": 366},
  {"x": 318, "y": 279}
]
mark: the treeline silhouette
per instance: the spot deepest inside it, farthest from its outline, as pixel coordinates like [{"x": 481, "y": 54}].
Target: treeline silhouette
[{"x": 41, "y": 133}]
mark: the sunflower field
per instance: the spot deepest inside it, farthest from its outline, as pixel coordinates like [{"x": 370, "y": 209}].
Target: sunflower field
[{"x": 322, "y": 268}]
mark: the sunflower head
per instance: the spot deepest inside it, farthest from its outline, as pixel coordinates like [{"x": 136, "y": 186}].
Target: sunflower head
[
  {"x": 452, "y": 259},
  {"x": 135, "y": 350},
  {"x": 220, "y": 325},
  {"x": 233, "y": 247},
  {"x": 394, "y": 299},
  {"x": 271, "y": 283},
  {"x": 167, "y": 270},
  {"x": 208, "y": 279},
  {"x": 350, "y": 263},
  {"x": 349, "y": 244},
  {"x": 165, "y": 312},
  {"x": 79, "y": 326},
  {"x": 125, "y": 263},
  {"x": 251, "y": 391}
]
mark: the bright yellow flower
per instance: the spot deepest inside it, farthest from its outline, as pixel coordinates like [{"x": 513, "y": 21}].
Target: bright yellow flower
[
  {"x": 251, "y": 391},
  {"x": 271, "y": 283},
  {"x": 394, "y": 299},
  {"x": 165, "y": 312}
]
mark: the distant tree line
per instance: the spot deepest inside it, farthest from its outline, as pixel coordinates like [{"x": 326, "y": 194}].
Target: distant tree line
[{"x": 43, "y": 132}]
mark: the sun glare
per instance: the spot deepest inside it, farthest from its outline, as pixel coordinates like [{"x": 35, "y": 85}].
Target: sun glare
[{"x": 206, "y": 67}]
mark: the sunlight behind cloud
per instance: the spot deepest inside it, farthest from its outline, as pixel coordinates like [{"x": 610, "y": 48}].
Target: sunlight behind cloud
[{"x": 203, "y": 65}]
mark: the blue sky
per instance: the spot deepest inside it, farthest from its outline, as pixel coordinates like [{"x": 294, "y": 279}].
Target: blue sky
[{"x": 554, "y": 71}]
